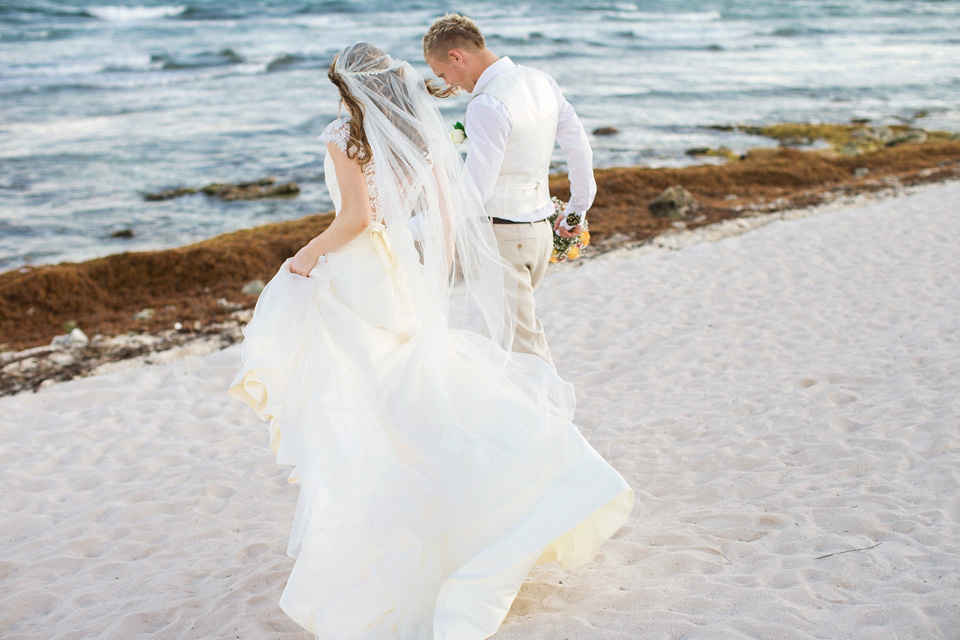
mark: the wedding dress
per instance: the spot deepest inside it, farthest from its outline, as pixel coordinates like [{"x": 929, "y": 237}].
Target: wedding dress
[{"x": 432, "y": 476}]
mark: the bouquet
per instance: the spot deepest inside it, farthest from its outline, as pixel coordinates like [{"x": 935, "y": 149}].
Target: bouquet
[{"x": 567, "y": 248}]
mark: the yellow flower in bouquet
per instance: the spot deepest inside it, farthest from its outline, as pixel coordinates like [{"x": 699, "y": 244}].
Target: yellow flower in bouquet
[{"x": 567, "y": 248}]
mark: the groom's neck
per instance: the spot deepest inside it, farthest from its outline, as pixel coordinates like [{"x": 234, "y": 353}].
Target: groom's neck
[{"x": 486, "y": 58}]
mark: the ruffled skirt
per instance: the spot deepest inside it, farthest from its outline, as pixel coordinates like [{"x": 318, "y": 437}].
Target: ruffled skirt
[{"x": 432, "y": 478}]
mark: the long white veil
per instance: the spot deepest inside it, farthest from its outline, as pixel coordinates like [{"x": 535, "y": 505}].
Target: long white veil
[{"x": 421, "y": 182}]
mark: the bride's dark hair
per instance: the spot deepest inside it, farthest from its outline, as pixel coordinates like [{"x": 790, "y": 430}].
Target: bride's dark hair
[{"x": 373, "y": 59}]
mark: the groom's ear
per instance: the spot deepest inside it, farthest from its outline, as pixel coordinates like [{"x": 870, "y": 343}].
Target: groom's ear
[{"x": 456, "y": 56}]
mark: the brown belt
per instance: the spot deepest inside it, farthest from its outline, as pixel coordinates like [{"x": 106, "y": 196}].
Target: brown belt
[{"x": 505, "y": 221}]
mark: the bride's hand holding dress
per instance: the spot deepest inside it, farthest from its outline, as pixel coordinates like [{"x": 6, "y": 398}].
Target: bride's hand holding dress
[{"x": 353, "y": 217}]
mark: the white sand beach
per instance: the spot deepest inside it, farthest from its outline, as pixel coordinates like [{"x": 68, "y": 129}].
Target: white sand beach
[{"x": 785, "y": 402}]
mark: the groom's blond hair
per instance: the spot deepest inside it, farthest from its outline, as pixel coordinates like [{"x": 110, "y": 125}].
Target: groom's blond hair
[{"x": 451, "y": 31}]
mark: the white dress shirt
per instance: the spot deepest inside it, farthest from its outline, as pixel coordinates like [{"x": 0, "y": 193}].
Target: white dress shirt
[{"x": 488, "y": 124}]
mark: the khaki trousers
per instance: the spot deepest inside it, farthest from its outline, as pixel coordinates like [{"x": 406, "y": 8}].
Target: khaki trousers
[{"x": 527, "y": 246}]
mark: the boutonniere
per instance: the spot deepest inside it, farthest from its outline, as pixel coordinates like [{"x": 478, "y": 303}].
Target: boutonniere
[{"x": 459, "y": 134}]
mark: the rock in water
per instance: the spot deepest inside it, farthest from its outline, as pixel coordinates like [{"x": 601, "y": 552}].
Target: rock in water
[
  {"x": 674, "y": 202},
  {"x": 169, "y": 194},
  {"x": 606, "y": 131},
  {"x": 258, "y": 191},
  {"x": 265, "y": 188}
]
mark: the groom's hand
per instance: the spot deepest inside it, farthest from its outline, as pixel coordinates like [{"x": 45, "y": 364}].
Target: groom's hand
[{"x": 563, "y": 233}]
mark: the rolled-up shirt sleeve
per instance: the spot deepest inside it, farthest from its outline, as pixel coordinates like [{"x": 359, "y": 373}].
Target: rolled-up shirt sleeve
[
  {"x": 487, "y": 127},
  {"x": 573, "y": 140}
]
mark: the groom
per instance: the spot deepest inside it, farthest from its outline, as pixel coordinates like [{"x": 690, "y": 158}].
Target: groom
[{"x": 514, "y": 118}]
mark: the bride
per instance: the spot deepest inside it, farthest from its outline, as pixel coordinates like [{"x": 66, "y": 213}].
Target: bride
[{"x": 436, "y": 467}]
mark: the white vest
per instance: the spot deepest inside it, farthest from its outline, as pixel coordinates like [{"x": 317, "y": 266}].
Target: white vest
[{"x": 523, "y": 183}]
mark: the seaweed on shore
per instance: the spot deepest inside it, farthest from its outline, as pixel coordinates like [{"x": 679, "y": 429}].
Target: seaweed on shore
[{"x": 202, "y": 283}]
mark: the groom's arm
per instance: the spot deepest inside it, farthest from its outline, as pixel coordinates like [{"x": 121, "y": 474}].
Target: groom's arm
[
  {"x": 573, "y": 140},
  {"x": 487, "y": 127}
]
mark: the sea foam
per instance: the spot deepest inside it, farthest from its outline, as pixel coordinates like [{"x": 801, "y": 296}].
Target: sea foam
[{"x": 114, "y": 13}]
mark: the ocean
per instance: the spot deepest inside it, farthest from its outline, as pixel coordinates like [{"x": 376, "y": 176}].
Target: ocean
[{"x": 101, "y": 103}]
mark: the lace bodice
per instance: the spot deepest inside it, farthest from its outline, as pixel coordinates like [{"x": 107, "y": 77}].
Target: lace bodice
[{"x": 338, "y": 132}]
